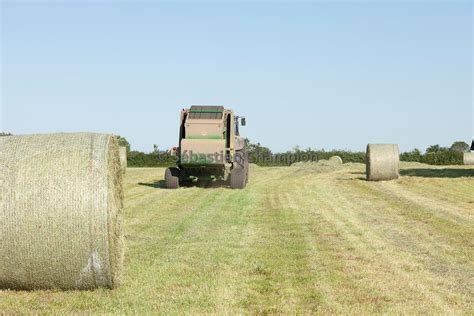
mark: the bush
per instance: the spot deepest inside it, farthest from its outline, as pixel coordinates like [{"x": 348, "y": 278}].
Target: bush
[
  {"x": 155, "y": 159},
  {"x": 443, "y": 158},
  {"x": 414, "y": 156},
  {"x": 263, "y": 156},
  {"x": 461, "y": 147},
  {"x": 123, "y": 142}
]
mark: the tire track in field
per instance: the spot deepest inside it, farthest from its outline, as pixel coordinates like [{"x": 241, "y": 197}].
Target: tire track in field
[
  {"x": 338, "y": 240},
  {"x": 195, "y": 251},
  {"x": 370, "y": 247},
  {"x": 441, "y": 256},
  {"x": 462, "y": 216},
  {"x": 432, "y": 224},
  {"x": 236, "y": 280},
  {"x": 157, "y": 225},
  {"x": 278, "y": 278},
  {"x": 447, "y": 191}
]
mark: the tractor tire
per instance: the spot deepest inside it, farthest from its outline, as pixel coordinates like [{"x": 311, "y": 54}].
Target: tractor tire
[
  {"x": 242, "y": 162},
  {"x": 247, "y": 168},
  {"x": 238, "y": 178},
  {"x": 172, "y": 178}
]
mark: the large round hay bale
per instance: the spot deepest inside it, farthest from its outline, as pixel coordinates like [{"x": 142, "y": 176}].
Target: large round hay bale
[
  {"x": 60, "y": 212},
  {"x": 382, "y": 162},
  {"x": 123, "y": 158},
  {"x": 469, "y": 159},
  {"x": 335, "y": 160}
]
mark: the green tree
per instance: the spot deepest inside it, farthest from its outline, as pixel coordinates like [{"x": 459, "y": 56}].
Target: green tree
[
  {"x": 122, "y": 141},
  {"x": 5, "y": 134},
  {"x": 258, "y": 153},
  {"x": 460, "y": 147},
  {"x": 436, "y": 149},
  {"x": 415, "y": 155}
]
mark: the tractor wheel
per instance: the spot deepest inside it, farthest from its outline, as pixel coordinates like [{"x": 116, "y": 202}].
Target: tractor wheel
[
  {"x": 247, "y": 168},
  {"x": 242, "y": 162},
  {"x": 172, "y": 178},
  {"x": 238, "y": 178}
]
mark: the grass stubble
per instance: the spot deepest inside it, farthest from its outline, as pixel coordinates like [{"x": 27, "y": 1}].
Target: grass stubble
[{"x": 299, "y": 239}]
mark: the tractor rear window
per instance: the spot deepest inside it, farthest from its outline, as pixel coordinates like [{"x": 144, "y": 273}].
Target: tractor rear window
[{"x": 206, "y": 112}]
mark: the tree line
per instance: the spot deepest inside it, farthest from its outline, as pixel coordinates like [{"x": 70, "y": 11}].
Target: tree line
[{"x": 263, "y": 156}]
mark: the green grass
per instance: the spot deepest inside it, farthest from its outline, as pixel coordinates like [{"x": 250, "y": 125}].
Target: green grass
[{"x": 297, "y": 240}]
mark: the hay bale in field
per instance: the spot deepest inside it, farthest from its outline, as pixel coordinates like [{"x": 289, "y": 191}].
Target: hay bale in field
[
  {"x": 123, "y": 158},
  {"x": 335, "y": 160},
  {"x": 469, "y": 159},
  {"x": 382, "y": 162},
  {"x": 60, "y": 209}
]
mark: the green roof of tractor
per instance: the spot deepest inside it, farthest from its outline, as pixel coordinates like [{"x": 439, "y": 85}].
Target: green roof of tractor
[{"x": 206, "y": 112}]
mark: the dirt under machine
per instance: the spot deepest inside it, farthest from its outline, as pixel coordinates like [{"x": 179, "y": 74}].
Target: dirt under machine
[{"x": 210, "y": 148}]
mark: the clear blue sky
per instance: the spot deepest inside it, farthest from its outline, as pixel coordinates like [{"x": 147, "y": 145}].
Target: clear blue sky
[{"x": 321, "y": 75}]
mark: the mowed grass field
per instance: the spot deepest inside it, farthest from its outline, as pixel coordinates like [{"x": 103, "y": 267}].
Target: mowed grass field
[{"x": 296, "y": 240}]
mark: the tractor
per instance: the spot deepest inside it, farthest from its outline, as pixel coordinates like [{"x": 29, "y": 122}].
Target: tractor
[{"x": 210, "y": 148}]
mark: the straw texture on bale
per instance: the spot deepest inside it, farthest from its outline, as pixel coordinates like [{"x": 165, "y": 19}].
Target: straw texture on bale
[
  {"x": 382, "y": 162},
  {"x": 336, "y": 160},
  {"x": 123, "y": 158},
  {"x": 469, "y": 159},
  {"x": 60, "y": 212}
]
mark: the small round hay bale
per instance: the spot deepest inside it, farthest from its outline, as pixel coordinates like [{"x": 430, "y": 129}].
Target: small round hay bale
[
  {"x": 469, "y": 159},
  {"x": 335, "y": 160},
  {"x": 382, "y": 162},
  {"x": 123, "y": 158},
  {"x": 60, "y": 208}
]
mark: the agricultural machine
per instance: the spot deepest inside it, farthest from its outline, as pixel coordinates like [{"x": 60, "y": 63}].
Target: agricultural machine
[{"x": 210, "y": 148}]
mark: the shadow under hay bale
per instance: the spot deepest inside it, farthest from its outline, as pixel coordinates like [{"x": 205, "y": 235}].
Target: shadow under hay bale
[
  {"x": 437, "y": 173},
  {"x": 383, "y": 162},
  {"x": 161, "y": 184},
  {"x": 61, "y": 202}
]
